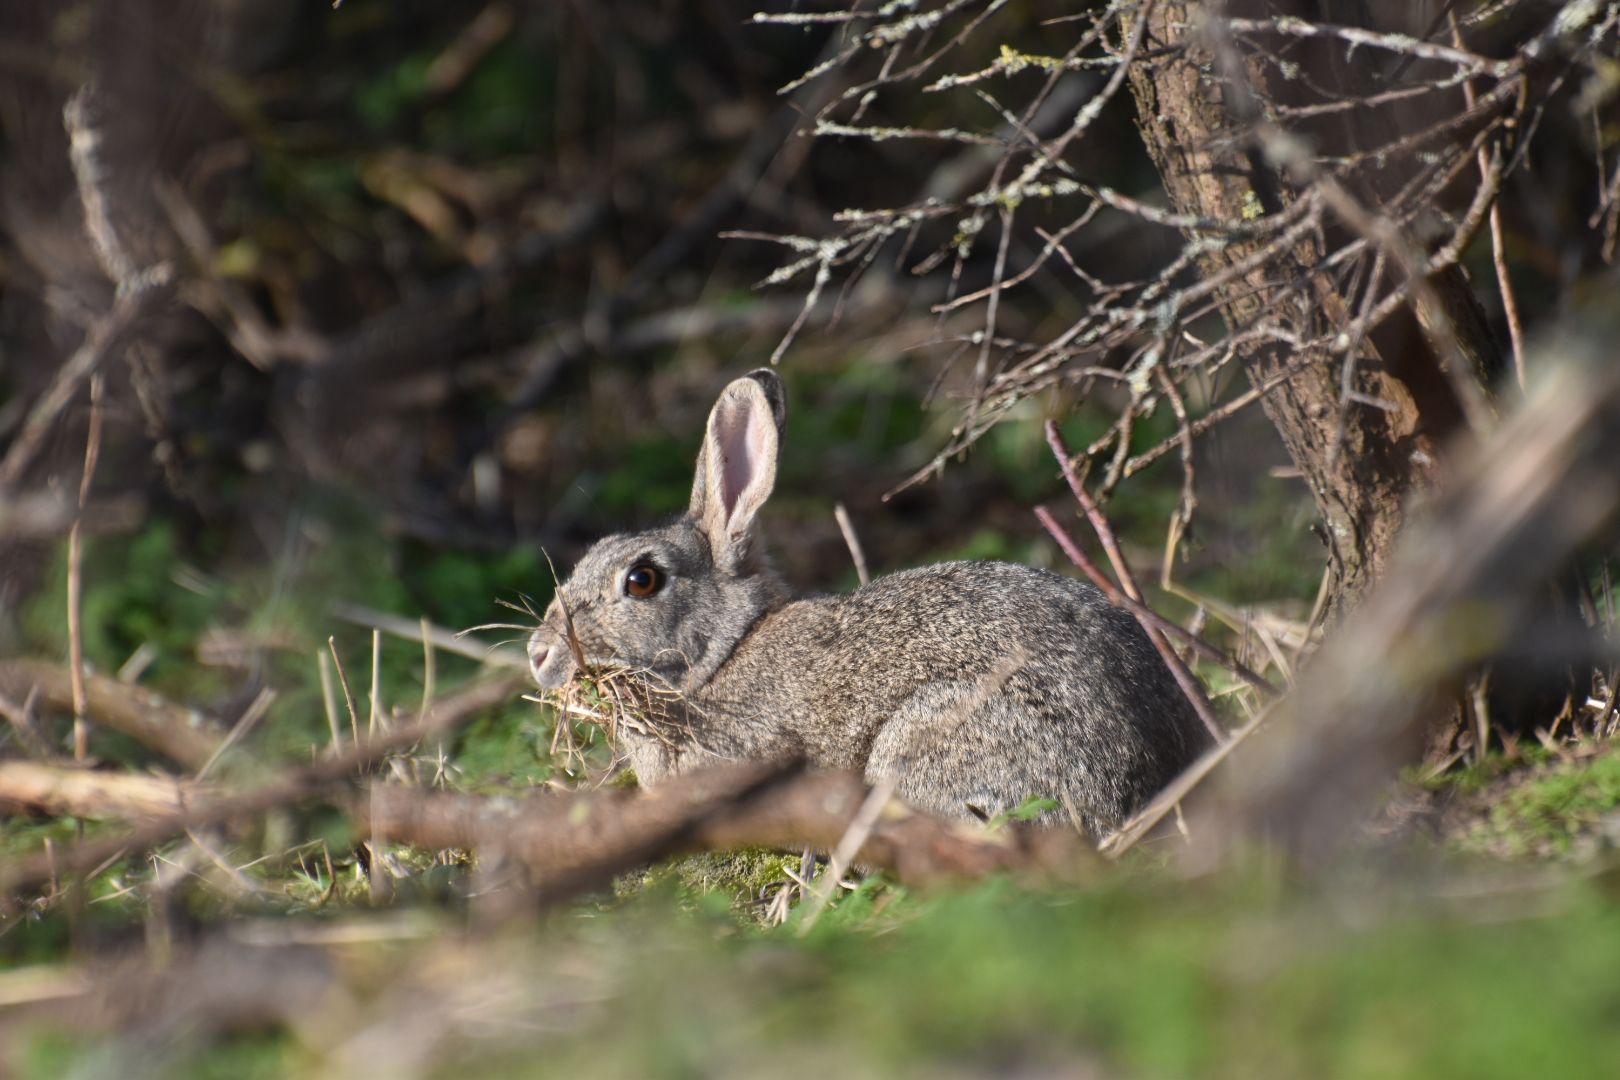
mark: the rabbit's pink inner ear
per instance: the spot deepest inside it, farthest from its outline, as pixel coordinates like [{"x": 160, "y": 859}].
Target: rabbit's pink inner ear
[{"x": 740, "y": 459}]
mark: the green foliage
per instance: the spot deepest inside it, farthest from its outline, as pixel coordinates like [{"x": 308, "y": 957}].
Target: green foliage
[
  {"x": 503, "y": 108},
  {"x": 1476, "y": 776},
  {"x": 991, "y": 544},
  {"x": 462, "y": 589},
  {"x": 651, "y": 477},
  {"x": 1033, "y": 808},
  {"x": 248, "y": 1056},
  {"x": 862, "y": 413},
  {"x": 383, "y": 100},
  {"x": 138, "y": 591}
]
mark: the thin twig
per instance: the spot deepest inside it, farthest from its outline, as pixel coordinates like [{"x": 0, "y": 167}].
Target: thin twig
[
  {"x": 1105, "y": 535},
  {"x": 1504, "y": 282},
  {"x": 853, "y": 542},
  {"x": 1078, "y": 556},
  {"x": 90, "y": 174}
]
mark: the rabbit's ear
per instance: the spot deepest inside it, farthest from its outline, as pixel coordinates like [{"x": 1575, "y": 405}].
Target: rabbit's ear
[{"x": 737, "y": 466}]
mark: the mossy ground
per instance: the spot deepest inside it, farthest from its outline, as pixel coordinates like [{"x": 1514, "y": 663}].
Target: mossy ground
[{"x": 1544, "y": 805}]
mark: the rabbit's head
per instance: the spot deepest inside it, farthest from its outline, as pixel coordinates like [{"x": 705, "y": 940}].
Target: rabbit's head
[{"x": 675, "y": 601}]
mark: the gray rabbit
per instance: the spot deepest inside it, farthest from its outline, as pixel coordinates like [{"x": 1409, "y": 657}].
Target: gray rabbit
[{"x": 973, "y": 685}]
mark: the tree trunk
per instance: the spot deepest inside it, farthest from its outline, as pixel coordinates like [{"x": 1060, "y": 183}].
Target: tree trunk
[{"x": 1360, "y": 461}]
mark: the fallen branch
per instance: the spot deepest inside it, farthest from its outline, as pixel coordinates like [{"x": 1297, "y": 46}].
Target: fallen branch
[
  {"x": 180, "y": 734},
  {"x": 576, "y": 843},
  {"x": 87, "y": 793},
  {"x": 291, "y": 786}
]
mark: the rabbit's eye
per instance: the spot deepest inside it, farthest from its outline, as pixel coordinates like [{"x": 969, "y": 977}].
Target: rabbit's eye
[{"x": 643, "y": 580}]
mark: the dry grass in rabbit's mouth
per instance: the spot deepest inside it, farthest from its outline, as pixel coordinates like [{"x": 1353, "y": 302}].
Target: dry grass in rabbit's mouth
[{"x": 615, "y": 698}]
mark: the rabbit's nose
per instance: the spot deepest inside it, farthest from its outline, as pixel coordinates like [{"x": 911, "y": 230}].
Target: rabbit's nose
[{"x": 539, "y": 652}]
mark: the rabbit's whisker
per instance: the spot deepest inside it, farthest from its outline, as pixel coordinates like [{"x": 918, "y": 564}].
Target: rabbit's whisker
[{"x": 494, "y": 626}]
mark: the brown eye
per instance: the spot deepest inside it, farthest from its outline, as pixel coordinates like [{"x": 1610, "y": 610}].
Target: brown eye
[{"x": 643, "y": 580}]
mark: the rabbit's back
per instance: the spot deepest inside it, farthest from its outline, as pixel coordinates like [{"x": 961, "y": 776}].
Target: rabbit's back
[{"x": 977, "y": 684}]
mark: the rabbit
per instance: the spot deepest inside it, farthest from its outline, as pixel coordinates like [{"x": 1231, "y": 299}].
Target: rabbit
[{"x": 971, "y": 686}]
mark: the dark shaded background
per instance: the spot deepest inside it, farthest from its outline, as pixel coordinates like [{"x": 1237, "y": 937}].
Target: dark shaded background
[{"x": 452, "y": 278}]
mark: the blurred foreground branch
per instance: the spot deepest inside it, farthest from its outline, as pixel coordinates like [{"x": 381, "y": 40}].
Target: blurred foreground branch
[
  {"x": 180, "y": 734},
  {"x": 575, "y": 843},
  {"x": 66, "y": 790},
  {"x": 1458, "y": 592}
]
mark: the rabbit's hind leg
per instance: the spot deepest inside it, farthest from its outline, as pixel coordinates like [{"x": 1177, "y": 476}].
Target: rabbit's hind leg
[{"x": 955, "y": 752}]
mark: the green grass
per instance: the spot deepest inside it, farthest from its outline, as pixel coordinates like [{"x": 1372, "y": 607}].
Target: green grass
[
  {"x": 1140, "y": 975},
  {"x": 1551, "y": 809},
  {"x": 1156, "y": 978}
]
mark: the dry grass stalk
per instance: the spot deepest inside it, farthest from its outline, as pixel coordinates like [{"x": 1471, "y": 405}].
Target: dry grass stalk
[
  {"x": 245, "y": 723},
  {"x": 374, "y": 718},
  {"x": 1142, "y": 822},
  {"x": 75, "y": 581},
  {"x": 857, "y": 555},
  {"x": 348, "y": 695},
  {"x": 449, "y": 641},
  {"x": 329, "y": 700},
  {"x": 848, "y": 847}
]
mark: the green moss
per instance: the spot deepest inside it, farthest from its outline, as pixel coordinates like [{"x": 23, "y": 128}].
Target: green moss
[
  {"x": 509, "y": 747},
  {"x": 390, "y": 94},
  {"x": 1551, "y": 808},
  {"x": 1476, "y": 776},
  {"x": 717, "y": 880}
]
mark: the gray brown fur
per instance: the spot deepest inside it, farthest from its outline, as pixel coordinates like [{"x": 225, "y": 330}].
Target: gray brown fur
[{"x": 974, "y": 684}]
